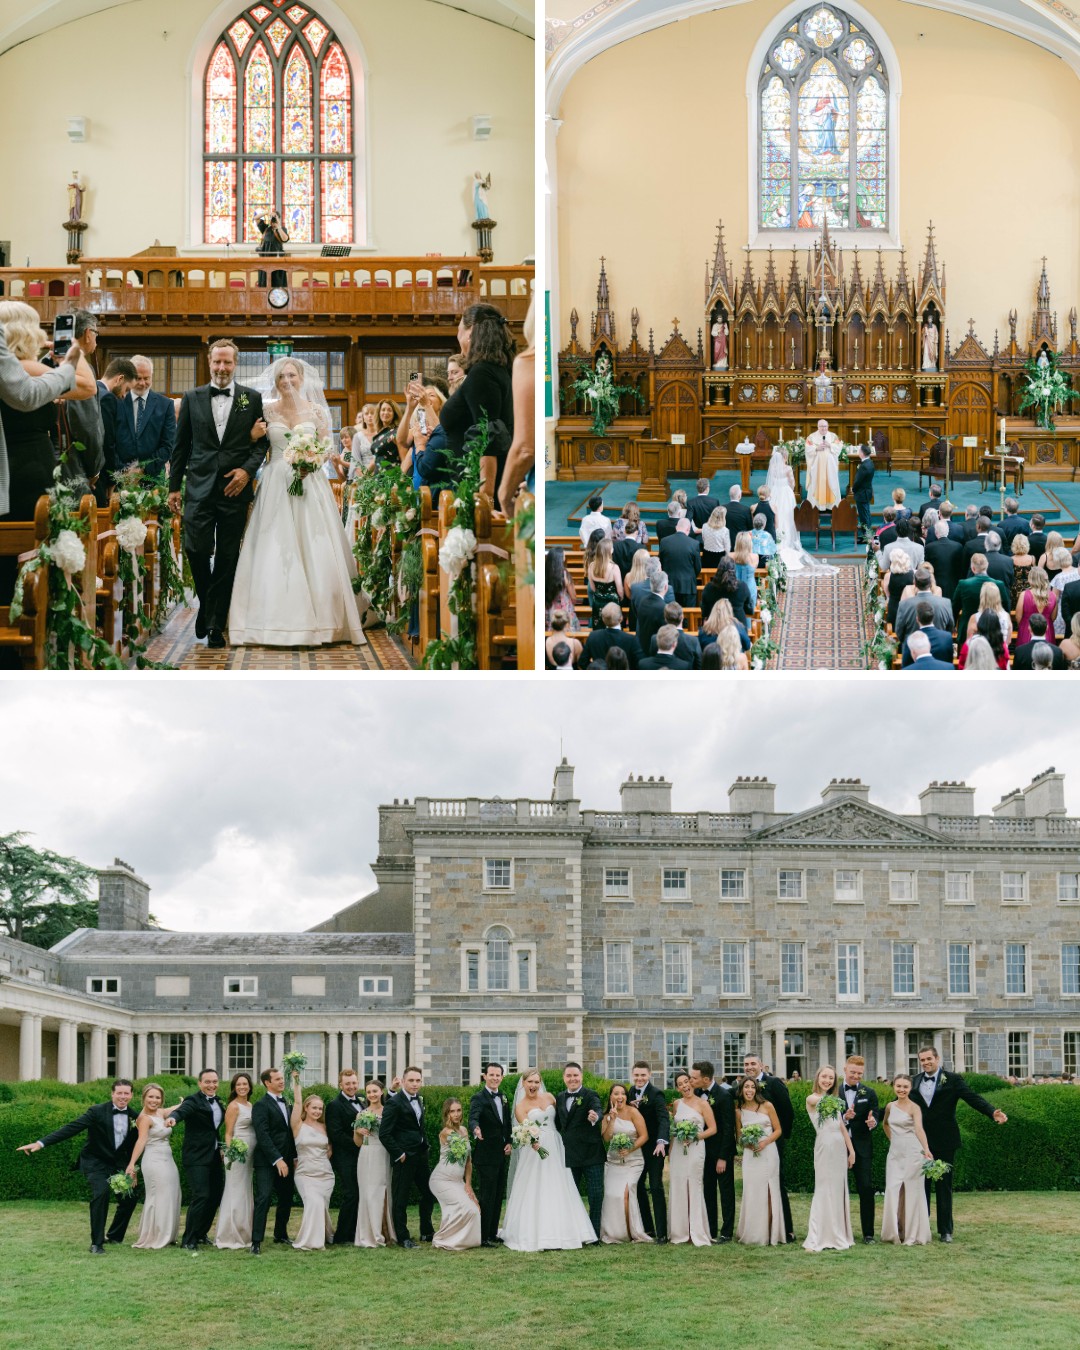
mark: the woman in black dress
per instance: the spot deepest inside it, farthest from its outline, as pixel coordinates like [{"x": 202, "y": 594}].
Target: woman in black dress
[
  {"x": 487, "y": 349},
  {"x": 384, "y": 446}
]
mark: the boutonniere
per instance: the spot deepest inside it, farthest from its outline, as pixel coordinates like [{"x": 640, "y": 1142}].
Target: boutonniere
[
  {"x": 577, "y": 1101},
  {"x": 944, "y": 1080},
  {"x": 710, "y": 1100},
  {"x": 242, "y": 402}
]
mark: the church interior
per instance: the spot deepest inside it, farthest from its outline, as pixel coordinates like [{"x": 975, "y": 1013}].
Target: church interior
[
  {"x": 883, "y": 199},
  {"x": 147, "y": 140}
]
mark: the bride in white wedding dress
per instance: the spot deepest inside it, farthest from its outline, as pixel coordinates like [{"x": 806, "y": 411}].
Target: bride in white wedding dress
[
  {"x": 781, "y": 484},
  {"x": 294, "y": 580},
  {"x": 544, "y": 1211}
]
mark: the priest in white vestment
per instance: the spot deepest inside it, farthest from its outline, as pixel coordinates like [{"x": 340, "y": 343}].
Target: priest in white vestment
[{"x": 822, "y": 467}]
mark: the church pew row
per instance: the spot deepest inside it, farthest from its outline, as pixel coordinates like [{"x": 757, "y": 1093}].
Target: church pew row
[{"x": 23, "y": 639}]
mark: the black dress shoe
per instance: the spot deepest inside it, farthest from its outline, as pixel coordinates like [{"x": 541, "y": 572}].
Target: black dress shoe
[
  {"x": 283, "y": 1242},
  {"x": 946, "y": 1237},
  {"x": 189, "y": 1246},
  {"x": 486, "y": 1242},
  {"x": 722, "y": 1239},
  {"x": 426, "y": 1237},
  {"x": 215, "y": 638},
  {"x": 408, "y": 1242},
  {"x": 116, "y": 1242},
  {"x": 256, "y": 1249},
  {"x": 869, "y": 1240},
  {"x": 200, "y": 623},
  {"x": 97, "y": 1249}
]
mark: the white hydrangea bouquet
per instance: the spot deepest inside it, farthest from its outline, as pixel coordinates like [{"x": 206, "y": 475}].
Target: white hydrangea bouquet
[
  {"x": 304, "y": 453},
  {"x": 528, "y": 1136}
]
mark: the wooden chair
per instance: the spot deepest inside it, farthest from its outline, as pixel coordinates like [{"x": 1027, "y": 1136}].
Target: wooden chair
[
  {"x": 882, "y": 452},
  {"x": 843, "y": 519},
  {"x": 25, "y": 637},
  {"x": 932, "y": 462},
  {"x": 808, "y": 520}
]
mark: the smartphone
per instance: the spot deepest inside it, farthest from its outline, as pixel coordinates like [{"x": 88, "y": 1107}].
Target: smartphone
[
  {"x": 414, "y": 375},
  {"x": 63, "y": 335}
]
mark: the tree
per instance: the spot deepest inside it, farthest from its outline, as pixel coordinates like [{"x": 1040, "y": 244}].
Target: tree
[{"x": 44, "y": 896}]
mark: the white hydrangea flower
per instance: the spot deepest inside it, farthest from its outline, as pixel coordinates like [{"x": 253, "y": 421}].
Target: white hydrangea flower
[
  {"x": 410, "y": 514},
  {"x": 457, "y": 551},
  {"x": 68, "y": 552},
  {"x": 131, "y": 534}
]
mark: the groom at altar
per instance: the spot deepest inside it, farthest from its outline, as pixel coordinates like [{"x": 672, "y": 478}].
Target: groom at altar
[
  {"x": 490, "y": 1124},
  {"x": 822, "y": 467}
]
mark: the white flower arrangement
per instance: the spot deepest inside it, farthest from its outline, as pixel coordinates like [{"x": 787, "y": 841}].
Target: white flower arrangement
[
  {"x": 304, "y": 453},
  {"x": 457, "y": 550},
  {"x": 131, "y": 534},
  {"x": 68, "y": 552}
]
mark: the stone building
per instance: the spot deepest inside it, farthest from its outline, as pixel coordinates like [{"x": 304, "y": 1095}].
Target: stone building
[{"x": 529, "y": 931}]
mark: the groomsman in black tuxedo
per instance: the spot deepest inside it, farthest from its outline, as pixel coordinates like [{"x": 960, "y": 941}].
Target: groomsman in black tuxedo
[
  {"x": 719, "y": 1150},
  {"x": 203, "y": 1115},
  {"x": 577, "y": 1118},
  {"x": 861, "y": 1117},
  {"x": 110, "y": 1137},
  {"x": 340, "y": 1114},
  {"x": 652, "y": 1104},
  {"x": 938, "y": 1093},
  {"x": 403, "y": 1136},
  {"x": 490, "y": 1124},
  {"x": 862, "y": 489},
  {"x": 273, "y": 1159},
  {"x": 775, "y": 1090}
]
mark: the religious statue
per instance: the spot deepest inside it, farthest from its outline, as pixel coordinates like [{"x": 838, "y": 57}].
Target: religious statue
[
  {"x": 929, "y": 345},
  {"x": 75, "y": 198},
  {"x": 822, "y": 467},
  {"x": 719, "y": 332},
  {"x": 481, "y": 186},
  {"x": 1042, "y": 360}
]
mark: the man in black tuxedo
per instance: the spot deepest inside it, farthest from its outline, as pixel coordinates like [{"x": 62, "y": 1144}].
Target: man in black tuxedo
[
  {"x": 666, "y": 641},
  {"x": 861, "y": 1117},
  {"x": 490, "y": 1124},
  {"x": 220, "y": 443},
  {"x": 739, "y": 515},
  {"x": 680, "y": 557},
  {"x": 862, "y": 489},
  {"x": 203, "y": 1115},
  {"x": 719, "y": 1150},
  {"x": 273, "y": 1159},
  {"x": 1037, "y": 536},
  {"x": 577, "y": 1118},
  {"x": 775, "y": 1090},
  {"x": 701, "y": 507},
  {"x": 650, "y": 609},
  {"x": 938, "y": 1094},
  {"x": 652, "y": 1104},
  {"x": 403, "y": 1136},
  {"x": 946, "y": 556},
  {"x": 1022, "y": 654},
  {"x": 145, "y": 423},
  {"x": 340, "y": 1115},
  {"x": 601, "y": 640},
  {"x": 110, "y": 1137}
]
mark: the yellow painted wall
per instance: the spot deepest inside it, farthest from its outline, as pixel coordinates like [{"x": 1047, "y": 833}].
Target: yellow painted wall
[
  {"x": 653, "y": 151},
  {"x": 430, "y": 70}
]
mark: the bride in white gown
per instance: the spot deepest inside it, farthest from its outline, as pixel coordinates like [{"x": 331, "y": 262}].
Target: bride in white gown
[
  {"x": 781, "y": 484},
  {"x": 544, "y": 1211},
  {"x": 294, "y": 580}
]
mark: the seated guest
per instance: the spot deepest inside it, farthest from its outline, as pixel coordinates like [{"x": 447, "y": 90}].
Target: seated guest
[
  {"x": 559, "y": 623},
  {"x": 965, "y": 600},
  {"x": 680, "y": 557},
  {"x": 762, "y": 542},
  {"x": 601, "y": 640},
  {"x": 745, "y": 561},
  {"x": 1070, "y": 645},
  {"x": 764, "y": 508},
  {"x": 739, "y": 515},
  {"x": 725, "y": 585},
  {"x": 946, "y": 555},
  {"x": 595, "y": 520},
  {"x": 921, "y": 659},
  {"x": 617, "y": 659},
  {"x": 687, "y": 648},
  {"x": 1013, "y": 524},
  {"x": 715, "y": 538},
  {"x": 988, "y": 628},
  {"x": 602, "y": 577},
  {"x": 903, "y": 543},
  {"x": 980, "y": 655},
  {"x": 1042, "y": 656},
  {"x": 1065, "y": 583},
  {"x": 899, "y": 577},
  {"x": 939, "y": 636},
  {"x": 667, "y": 638},
  {"x": 997, "y": 565},
  {"x": 675, "y": 512},
  {"x": 701, "y": 507},
  {"x": 1037, "y": 536},
  {"x": 899, "y": 496},
  {"x": 990, "y": 600},
  {"x": 934, "y": 502},
  {"x": 721, "y": 617},
  {"x": 886, "y": 532},
  {"x": 559, "y": 588},
  {"x": 650, "y": 608},
  {"x": 1037, "y": 600},
  {"x": 923, "y": 589},
  {"x": 561, "y": 657},
  {"x": 633, "y": 525},
  {"x": 1037, "y": 629}
]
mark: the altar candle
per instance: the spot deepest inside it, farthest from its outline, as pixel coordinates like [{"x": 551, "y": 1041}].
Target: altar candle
[{"x": 1003, "y": 431}]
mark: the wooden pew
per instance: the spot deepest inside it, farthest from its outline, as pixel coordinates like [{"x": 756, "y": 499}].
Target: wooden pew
[
  {"x": 496, "y": 618},
  {"x": 525, "y": 594},
  {"x": 446, "y": 521},
  {"x": 429, "y": 587},
  {"x": 25, "y": 637}
]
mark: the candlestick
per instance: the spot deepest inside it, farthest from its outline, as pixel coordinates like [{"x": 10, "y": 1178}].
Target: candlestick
[
  {"x": 792, "y": 353},
  {"x": 1003, "y": 431},
  {"x": 880, "y": 345},
  {"x": 856, "y": 353},
  {"x": 746, "y": 363},
  {"x": 770, "y": 353},
  {"x": 901, "y": 365}
]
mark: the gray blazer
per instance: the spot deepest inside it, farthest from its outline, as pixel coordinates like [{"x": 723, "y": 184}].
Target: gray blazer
[{"x": 25, "y": 392}]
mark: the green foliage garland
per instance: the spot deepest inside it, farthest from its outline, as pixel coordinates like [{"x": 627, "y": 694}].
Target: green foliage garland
[
  {"x": 389, "y": 508},
  {"x": 525, "y": 525},
  {"x": 141, "y": 496}
]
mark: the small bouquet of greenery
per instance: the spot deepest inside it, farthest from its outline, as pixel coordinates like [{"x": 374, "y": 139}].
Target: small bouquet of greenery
[
  {"x": 620, "y": 1146},
  {"x": 366, "y": 1120},
  {"x": 752, "y": 1135},
  {"x": 933, "y": 1169},
  {"x": 294, "y": 1062},
  {"x": 237, "y": 1151},
  {"x": 457, "y": 1150},
  {"x": 122, "y": 1185},
  {"x": 528, "y": 1136},
  {"x": 828, "y": 1108},
  {"x": 685, "y": 1132}
]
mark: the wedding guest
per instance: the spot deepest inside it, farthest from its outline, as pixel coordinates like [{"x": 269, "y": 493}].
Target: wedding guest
[
  {"x": 987, "y": 629},
  {"x": 160, "y": 1222},
  {"x": 560, "y": 636},
  {"x": 601, "y": 640},
  {"x": 313, "y": 1175},
  {"x": 451, "y": 1184},
  {"x": 725, "y": 585},
  {"x": 1065, "y": 575},
  {"x": 577, "y": 1116},
  {"x": 700, "y": 507},
  {"x": 237, "y": 1200},
  {"x": 906, "y": 1216},
  {"x": 764, "y": 508},
  {"x": 110, "y": 1137},
  {"x": 520, "y": 465},
  {"x": 719, "y": 1173},
  {"x": 919, "y": 656},
  {"x": 650, "y": 607},
  {"x": 635, "y": 527},
  {"x": 620, "y": 1217},
  {"x": 487, "y": 346},
  {"x": 145, "y": 423},
  {"x": 360, "y": 457},
  {"x": 404, "y": 1138},
  {"x": 764, "y": 1213},
  {"x": 374, "y": 1225},
  {"x": 81, "y": 424},
  {"x": 687, "y": 647},
  {"x": 603, "y": 578},
  {"x": 739, "y": 515},
  {"x": 830, "y": 1212},
  {"x": 688, "y": 1219},
  {"x": 1023, "y": 563},
  {"x": 990, "y": 599},
  {"x": 665, "y": 643},
  {"x": 745, "y": 560},
  {"x": 939, "y": 640},
  {"x": 274, "y": 1159},
  {"x": 1037, "y": 599},
  {"x": 455, "y": 371},
  {"x": 980, "y": 655},
  {"x": 384, "y": 449},
  {"x": 341, "y": 1113},
  {"x": 558, "y": 588},
  {"x": 594, "y": 519},
  {"x": 625, "y": 550},
  {"x": 940, "y": 1093},
  {"x": 490, "y": 1125},
  {"x": 968, "y": 593},
  {"x": 1070, "y": 646},
  {"x": 715, "y": 538},
  {"x": 776, "y": 1093},
  {"x": 861, "y": 1118},
  {"x": 721, "y": 617},
  {"x": 616, "y": 659},
  {"x": 203, "y": 1115},
  {"x": 1038, "y": 637},
  {"x": 652, "y": 1104},
  {"x": 421, "y": 439}
]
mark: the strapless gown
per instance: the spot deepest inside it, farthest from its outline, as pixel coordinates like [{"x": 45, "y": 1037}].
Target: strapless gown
[
  {"x": 620, "y": 1218},
  {"x": 161, "y": 1208},
  {"x": 544, "y": 1211}
]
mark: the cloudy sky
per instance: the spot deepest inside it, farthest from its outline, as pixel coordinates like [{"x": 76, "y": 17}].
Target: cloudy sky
[{"x": 252, "y": 805}]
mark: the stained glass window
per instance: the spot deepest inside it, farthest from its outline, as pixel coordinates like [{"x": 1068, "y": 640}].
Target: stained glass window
[
  {"x": 278, "y": 106},
  {"x": 823, "y": 126}
]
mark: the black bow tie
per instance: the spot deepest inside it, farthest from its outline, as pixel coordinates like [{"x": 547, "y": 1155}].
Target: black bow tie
[
  {"x": 215, "y": 392},
  {"x": 119, "y": 1111}
]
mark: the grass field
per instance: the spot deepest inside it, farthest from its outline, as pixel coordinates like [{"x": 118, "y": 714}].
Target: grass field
[{"x": 1008, "y": 1280}]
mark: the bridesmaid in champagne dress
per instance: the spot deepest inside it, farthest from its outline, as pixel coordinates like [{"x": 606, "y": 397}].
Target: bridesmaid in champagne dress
[
  {"x": 830, "y": 1212},
  {"x": 761, "y": 1218},
  {"x": 374, "y": 1226},
  {"x": 237, "y": 1204},
  {"x": 313, "y": 1174},
  {"x": 451, "y": 1185},
  {"x": 620, "y": 1217},
  {"x": 906, "y": 1218},
  {"x": 687, "y": 1217},
  {"x": 161, "y": 1208}
]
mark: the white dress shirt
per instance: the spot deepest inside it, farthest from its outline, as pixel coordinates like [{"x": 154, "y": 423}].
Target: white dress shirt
[
  {"x": 595, "y": 520},
  {"x": 221, "y": 408}
]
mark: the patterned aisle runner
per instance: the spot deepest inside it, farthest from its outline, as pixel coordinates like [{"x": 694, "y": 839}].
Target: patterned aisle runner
[{"x": 824, "y": 623}]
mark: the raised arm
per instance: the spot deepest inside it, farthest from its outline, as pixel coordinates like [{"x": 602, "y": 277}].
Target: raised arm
[
  {"x": 475, "y": 1102},
  {"x": 980, "y": 1104},
  {"x": 29, "y": 392},
  {"x": 296, "y": 1115},
  {"x": 68, "y": 1131}
]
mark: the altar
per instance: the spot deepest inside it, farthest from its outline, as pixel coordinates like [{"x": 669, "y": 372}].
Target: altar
[{"x": 1053, "y": 454}]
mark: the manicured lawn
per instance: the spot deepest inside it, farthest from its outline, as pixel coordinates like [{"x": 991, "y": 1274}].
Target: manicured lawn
[{"x": 1009, "y": 1280}]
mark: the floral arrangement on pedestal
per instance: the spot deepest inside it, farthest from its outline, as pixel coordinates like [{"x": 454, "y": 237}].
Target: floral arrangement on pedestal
[
  {"x": 600, "y": 392},
  {"x": 1047, "y": 389},
  {"x": 879, "y": 649},
  {"x": 795, "y": 451},
  {"x": 141, "y": 496},
  {"x": 389, "y": 509}
]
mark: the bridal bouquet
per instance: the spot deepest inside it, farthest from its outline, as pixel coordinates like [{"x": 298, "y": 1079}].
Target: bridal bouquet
[
  {"x": 620, "y": 1143},
  {"x": 828, "y": 1108},
  {"x": 366, "y": 1120},
  {"x": 752, "y": 1135},
  {"x": 457, "y": 1150},
  {"x": 304, "y": 454},
  {"x": 294, "y": 1062},
  {"x": 528, "y": 1136},
  {"x": 685, "y": 1132},
  {"x": 122, "y": 1185},
  {"x": 237, "y": 1151},
  {"x": 933, "y": 1169}
]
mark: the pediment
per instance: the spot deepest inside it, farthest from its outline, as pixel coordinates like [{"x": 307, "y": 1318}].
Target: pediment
[
  {"x": 848, "y": 820},
  {"x": 675, "y": 349},
  {"x": 971, "y": 352}
]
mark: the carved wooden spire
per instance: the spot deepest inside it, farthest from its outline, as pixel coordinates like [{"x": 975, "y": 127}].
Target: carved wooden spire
[
  {"x": 721, "y": 273},
  {"x": 856, "y": 298},
  {"x": 770, "y": 295},
  {"x": 603, "y": 320}
]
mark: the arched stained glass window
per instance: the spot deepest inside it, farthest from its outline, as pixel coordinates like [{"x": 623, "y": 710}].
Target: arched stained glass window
[
  {"x": 823, "y": 126},
  {"x": 278, "y": 101}
]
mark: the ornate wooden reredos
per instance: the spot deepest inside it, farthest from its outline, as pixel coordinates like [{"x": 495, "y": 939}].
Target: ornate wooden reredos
[{"x": 751, "y": 372}]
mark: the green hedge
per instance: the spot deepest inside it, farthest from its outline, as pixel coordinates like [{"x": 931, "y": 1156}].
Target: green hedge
[{"x": 1035, "y": 1151}]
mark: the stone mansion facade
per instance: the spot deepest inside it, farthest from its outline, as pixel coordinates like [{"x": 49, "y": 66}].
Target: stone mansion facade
[{"x": 530, "y": 931}]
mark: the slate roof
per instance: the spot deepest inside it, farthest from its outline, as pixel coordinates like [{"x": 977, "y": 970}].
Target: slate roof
[{"x": 163, "y": 946}]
